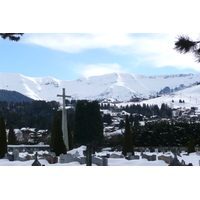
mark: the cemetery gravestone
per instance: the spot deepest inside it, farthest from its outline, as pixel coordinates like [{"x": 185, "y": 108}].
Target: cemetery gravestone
[
  {"x": 66, "y": 158},
  {"x": 96, "y": 160},
  {"x": 167, "y": 159},
  {"x": 10, "y": 157},
  {"x": 81, "y": 160},
  {"x": 114, "y": 155},
  {"x": 105, "y": 162},
  {"x": 55, "y": 159},
  {"x": 49, "y": 158},
  {"x": 16, "y": 154},
  {"x": 154, "y": 157}
]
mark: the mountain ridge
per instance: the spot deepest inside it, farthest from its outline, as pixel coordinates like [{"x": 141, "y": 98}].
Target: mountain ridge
[{"x": 120, "y": 86}]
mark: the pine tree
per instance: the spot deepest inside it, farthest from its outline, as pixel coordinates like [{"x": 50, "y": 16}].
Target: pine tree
[
  {"x": 191, "y": 145},
  {"x": 70, "y": 137},
  {"x": 57, "y": 144},
  {"x": 3, "y": 141},
  {"x": 128, "y": 139},
  {"x": 11, "y": 136},
  {"x": 11, "y": 36},
  {"x": 107, "y": 119},
  {"x": 184, "y": 45},
  {"x": 88, "y": 123}
]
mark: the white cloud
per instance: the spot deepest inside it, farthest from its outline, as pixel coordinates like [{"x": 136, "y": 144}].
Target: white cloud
[
  {"x": 158, "y": 51},
  {"x": 75, "y": 43},
  {"x": 99, "y": 69},
  {"x": 153, "y": 49}
]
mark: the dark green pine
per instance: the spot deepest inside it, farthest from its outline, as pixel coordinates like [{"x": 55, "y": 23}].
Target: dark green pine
[
  {"x": 3, "y": 140},
  {"x": 128, "y": 139}
]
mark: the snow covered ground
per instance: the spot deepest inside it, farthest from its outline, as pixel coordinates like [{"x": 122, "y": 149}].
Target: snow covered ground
[
  {"x": 192, "y": 158},
  {"x": 122, "y": 179}
]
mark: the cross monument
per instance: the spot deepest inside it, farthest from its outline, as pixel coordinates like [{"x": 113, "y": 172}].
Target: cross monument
[{"x": 64, "y": 120}]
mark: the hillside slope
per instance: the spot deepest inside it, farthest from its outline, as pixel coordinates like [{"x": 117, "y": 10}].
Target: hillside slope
[
  {"x": 120, "y": 86},
  {"x": 13, "y": 96}
]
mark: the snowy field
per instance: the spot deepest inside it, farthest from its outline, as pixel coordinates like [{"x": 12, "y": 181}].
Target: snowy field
[
  {"x": 122, "y": 179},
  {"x": 192, "y": 158}
]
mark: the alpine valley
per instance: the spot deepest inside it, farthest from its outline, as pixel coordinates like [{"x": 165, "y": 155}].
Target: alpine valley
[{"x": 118, "y": 86}]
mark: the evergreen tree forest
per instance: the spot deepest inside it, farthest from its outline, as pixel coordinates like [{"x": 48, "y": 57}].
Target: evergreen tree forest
[
  {"x": 35, "y": 114},
  {"x": 166, "y": 134}
]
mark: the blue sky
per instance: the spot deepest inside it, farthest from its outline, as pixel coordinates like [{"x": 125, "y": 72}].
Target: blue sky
[{"x": 68, "y": 56}]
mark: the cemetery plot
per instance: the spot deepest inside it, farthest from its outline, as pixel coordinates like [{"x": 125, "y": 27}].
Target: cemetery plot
[{"x": 78, "y": 157}]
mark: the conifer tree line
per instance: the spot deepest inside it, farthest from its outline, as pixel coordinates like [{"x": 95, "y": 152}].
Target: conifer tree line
[
  {"x": 35, "y": 114},
  {"x": 163, "y": 134},
  {"x": 145, "y": 109}
]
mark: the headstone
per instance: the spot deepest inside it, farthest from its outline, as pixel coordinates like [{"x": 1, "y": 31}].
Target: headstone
[
  {"x": 81, "y": 160},
  {"x": 66, "y": 158},
  {"x": 28, "y": 157},
  {"x": 55, "y": 159},
  {"x": 147, "y": 150},
  {"x": 97, "y": 160},
  {"x": 128, "y": 154},
  {"x": 167, "y": 159},
  {"x": 149, "y": 157},
  {"x": 49, "y": 158},
  {"x": 16, "y": 154},
  {"x": 144, "y": 156},
  {"x": 136, "y": 157},
  {"x": 153, "y": 157},
  {"x": 105, "y": 162},
  {"x": 22, "y": 159},
  {"x": 100, "y": 161},
  {"x": 10, "y": 157},
  {"x": 156, "y": 150},
  {"x": 114, "y": 155}
]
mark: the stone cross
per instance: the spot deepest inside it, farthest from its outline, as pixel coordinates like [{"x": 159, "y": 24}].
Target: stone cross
[{"x": 64, "y": 120}]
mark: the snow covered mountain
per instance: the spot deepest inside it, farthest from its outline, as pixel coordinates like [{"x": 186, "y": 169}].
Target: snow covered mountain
[{"x": 120, "y": 86}]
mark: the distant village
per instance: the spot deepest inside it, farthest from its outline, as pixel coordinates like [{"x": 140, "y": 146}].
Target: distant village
[{"x": 26, "y": 135}]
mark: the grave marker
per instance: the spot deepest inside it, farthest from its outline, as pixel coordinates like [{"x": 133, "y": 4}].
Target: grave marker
[
  {"x": 66, "y": 158},
  {"x": 16, "y": 154}
]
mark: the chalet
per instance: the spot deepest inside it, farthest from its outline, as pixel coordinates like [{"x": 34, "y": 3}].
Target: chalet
[
  {"x": 135, "y": 100},
  {"x": 26, "y": 133}
]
